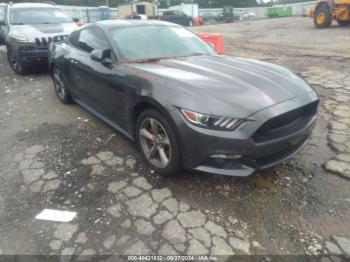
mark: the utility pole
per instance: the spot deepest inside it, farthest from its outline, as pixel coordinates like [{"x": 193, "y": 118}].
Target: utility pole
[{"x": 107, "y": 3}]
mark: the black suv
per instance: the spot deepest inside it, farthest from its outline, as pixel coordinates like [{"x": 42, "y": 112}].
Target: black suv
[
  {"x": 27, "y": 29},
  {"x": 174, "y": 16}
]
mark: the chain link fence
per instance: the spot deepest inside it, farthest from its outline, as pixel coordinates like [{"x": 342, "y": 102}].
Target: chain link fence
[
  {"x": 92, "y": 14},
  {"x": 88, "y": 14}
]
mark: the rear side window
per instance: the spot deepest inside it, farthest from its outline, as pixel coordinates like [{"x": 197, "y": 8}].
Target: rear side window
[
  {"x": 91, "y": 39},
  {"x": 179, "y": 13}
]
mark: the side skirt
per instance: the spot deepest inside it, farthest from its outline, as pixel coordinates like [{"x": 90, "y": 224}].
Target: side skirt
[{"x": 103, "y": 118}]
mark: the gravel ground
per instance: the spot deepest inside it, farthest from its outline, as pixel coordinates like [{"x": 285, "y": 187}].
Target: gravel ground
[{"x": 61, "y": 157}]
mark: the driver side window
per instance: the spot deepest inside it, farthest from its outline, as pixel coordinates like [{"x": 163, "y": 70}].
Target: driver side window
[{"x": 91, "y": 39}]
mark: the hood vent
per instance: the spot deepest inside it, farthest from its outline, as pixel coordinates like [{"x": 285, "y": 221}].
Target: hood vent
[{"x": 44, "y": 42}]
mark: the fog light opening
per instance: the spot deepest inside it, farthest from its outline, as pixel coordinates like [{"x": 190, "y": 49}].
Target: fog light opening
[{"x": 224, "y": 156}]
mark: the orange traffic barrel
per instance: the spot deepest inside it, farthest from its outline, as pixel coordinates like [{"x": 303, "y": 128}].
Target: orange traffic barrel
[{"x": 215, "y": 39}]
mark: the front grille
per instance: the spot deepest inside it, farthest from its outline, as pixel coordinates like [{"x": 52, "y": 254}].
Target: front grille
[
  {"x": 44, "y": 42},
  {"x": 286, "y": 124}
]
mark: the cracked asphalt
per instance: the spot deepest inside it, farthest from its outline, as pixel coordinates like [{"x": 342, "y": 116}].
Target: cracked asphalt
[{"x": 61, "y": 157}]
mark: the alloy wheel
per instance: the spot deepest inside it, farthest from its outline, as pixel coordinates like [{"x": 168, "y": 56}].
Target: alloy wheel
[
  {"x": 59, "y": 84},
  {"x": 155, "y": 142}
]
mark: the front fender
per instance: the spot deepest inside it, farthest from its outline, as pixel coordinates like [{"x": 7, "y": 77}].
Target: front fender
[{"x": 56, "y": 52}]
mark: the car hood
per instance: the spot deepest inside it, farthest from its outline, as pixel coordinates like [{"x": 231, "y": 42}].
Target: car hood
[
  {"x": 43, "y": 30},
  {"x": 228, "y": 86}
]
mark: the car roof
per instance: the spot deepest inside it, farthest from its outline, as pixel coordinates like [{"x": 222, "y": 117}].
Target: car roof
[
  {"x": 32, "y": 5},
  {"x": 111, "y": 24}
]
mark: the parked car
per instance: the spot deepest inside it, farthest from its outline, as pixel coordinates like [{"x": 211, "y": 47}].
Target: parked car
[
  {"x": 3, "y": 8},
  {"x": 247, "y": 15},
  {"x": 27, "y": 31},
  {"x": 176, "y": 17},
  {"x": 185, "y": 106},
  {"x": 209, "y": 18},
  {"x": 227, "y": 15},
  {"x": 137, "y": 16}
]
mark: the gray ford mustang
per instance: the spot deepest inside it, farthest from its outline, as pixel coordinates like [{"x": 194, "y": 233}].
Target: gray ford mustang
[{"x": 184, "y": 105}]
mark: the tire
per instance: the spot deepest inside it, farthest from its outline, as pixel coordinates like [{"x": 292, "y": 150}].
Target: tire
[
  {"x": 322, "y": 16},
  {"x": 17, "y": 66},
  {"x": 343, "y": 23},
  {"x": 61, "y": 89},
  {"x": 156, "y": 139}
]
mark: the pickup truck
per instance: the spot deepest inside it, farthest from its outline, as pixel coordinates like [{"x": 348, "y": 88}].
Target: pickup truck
[{"x": 176, "y": 17}]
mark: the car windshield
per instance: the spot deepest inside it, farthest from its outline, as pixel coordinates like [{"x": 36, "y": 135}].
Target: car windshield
[
  {"x": 156, "y": 42},
  {"x": 30, "y": 16}
]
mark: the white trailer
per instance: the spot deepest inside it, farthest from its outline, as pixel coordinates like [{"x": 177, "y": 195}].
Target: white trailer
[{"x": 188, "y": 9}]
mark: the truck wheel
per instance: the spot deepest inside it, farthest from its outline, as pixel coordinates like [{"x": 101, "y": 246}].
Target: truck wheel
[
  {"x": 322, "y": 16},
  {"x": 343, "y": 23}
]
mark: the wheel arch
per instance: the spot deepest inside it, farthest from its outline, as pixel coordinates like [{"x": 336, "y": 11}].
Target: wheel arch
[
  {"x": 51, "y": 66},
  {"x": 148, "y": 103}
]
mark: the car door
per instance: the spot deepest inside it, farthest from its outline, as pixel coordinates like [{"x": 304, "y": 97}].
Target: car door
[{"x": 94, "y": 81}]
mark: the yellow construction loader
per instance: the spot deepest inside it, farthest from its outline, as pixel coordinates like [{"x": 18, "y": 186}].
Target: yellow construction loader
[{"x": 328, "y": 10}]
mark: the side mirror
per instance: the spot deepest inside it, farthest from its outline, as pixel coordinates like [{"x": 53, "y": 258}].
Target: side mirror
[
  {"x": 76, "y": 20},
  {"x": 97, "y": 55},
  {"x": 103, "y": 56}
]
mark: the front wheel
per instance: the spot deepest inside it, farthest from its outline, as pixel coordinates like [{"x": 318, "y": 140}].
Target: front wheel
[
  {"x": 16, "y": 65},
  {"x": 157, "y": 142},
  {"x": 322, "y": 16},
  {"x": 61, "y": 89}
]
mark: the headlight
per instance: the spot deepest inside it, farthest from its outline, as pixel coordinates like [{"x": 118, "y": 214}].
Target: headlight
[
  {"x": 16, "y": 38},
  {"x": 212, "y": 122}
]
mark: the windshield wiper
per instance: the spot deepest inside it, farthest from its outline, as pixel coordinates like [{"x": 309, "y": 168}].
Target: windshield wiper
[
  {"x": 146, "y": 60},
  {"x": 157, "y": 59},
  {"x": 193, "y": 54}
]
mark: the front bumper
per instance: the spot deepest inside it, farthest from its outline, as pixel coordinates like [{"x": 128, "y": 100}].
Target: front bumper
[
  {"x": 29, "y": 53},
  {"x": 198, "y": 144}
]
